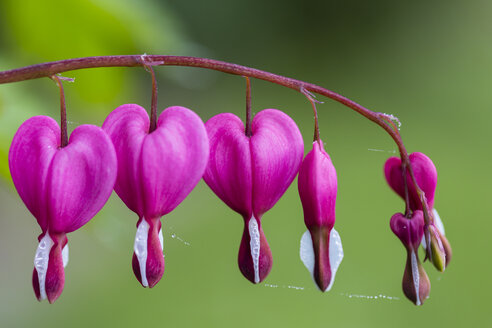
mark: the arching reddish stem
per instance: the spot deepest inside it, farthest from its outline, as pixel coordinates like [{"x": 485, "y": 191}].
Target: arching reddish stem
[{"x": 52, "y": 68}]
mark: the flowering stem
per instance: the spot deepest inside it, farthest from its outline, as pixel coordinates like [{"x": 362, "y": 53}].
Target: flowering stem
[
  {"x": 153, "y": 105},
  {"x": 51, "y": 68},
  {"x": 248, "y": 107},
  {"x": 310, "y": 98},
  {"x": 63, "y": 112}
]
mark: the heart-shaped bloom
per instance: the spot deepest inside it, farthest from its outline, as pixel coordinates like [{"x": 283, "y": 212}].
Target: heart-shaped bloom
[
  {"x": 156, "y": 171},
  {"x": 426, "y": 176},
  {"x": 250, "y": 174},
  {"x": 416, "y": 284},
  {"x": 63, "y": 188},
  {"x": 321, "y": 246}
]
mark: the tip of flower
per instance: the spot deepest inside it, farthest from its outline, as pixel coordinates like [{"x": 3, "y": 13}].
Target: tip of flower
[
  {"x": 322, "y": 255},
  {"x": 48, "y": 277},
  {"x": 153, "y": 272},
  {"x": 415, "y": 283},
  {"x": 255, "y": 257},
  {"x": 148, "y": 259}
]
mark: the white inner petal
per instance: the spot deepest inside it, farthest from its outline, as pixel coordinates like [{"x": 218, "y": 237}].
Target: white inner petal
[
  {"x": 161, "y": 239},
  {"x": 336, "y": 255},
  {"x": 254, "y": 245},
  {"x": 415, "y": 275},
  {"x": 438, "y": 221},
  {"x": 41, "y": 259},
  {"x": 439, "y": 225},
  {"x": 140, "y": 248},
  {"x": 65, "y": 255},
  {"x": 306, "y": 253}
]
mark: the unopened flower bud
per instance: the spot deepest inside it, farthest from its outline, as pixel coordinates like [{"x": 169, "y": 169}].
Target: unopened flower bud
[{"x": 440, "y": 251}]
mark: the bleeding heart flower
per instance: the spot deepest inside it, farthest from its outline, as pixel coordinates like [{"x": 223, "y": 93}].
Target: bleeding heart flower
[
  {"x": 156, "y": 171},
  {"x": 321, "y": 246},
  {"x": 425, "y": 173},
  {"x": 416, "y": 284},
  {"x": 426, "y": 176},
  {"x": 63, "y": 188},
  {"x": 250, "y": 174}
]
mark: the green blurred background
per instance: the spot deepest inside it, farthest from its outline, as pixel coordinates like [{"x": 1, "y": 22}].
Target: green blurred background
[{"x": 427, "y": 62}]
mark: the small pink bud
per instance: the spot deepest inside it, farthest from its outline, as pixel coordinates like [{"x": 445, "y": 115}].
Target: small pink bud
[
  {"x": 250, "y": 174},
  {"x": 416, "y": 284},
  {"x": 321, "y": 247},
  {"x": 156, "y": 171},
  {"x": 63, "y": 188}
]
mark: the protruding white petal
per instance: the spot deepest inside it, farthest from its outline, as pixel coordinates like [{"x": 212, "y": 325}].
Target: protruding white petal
[
  {"x": 254, "y": 245},
  {"x": 415, "y": 276},
  {"x": 306, "y": 253},
  {"x": 439, "y": 225},
  {"x": 438, "y": 221},
  {"x": 161, "y": 239},
  {"x": 65, "y": 255},
  {"x": 140, "y": 248},
  {"x": 336, "y": 255},
  {"x": 41, "y": 260}
]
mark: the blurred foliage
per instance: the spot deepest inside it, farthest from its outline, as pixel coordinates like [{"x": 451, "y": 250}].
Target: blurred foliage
[{"x": 427, "y": 62}]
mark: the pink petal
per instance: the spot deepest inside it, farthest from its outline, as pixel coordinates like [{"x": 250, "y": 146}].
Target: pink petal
[
  {"x": 425, "y": 174},
  {"x": 127, "y": 126},
  {"x": 276, "y": 154},
  {"x": 173, "y": 160},
  {"x": 157, "y": 171},
  {"x": 317, "y": 184},
  {"x": 251, "y": 174},
  {"x": 229, "y": 172},
  {"x": 81, "y": 179},
  {"x": 62, "y": 187},
  {"x": 409, "y": 230},
  {"x": 31, "y": 152}
]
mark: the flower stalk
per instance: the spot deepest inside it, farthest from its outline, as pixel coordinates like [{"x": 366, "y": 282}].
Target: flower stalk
[{"x": 63, "y": 112}]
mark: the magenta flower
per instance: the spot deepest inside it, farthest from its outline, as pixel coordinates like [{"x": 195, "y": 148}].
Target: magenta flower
[
  {"x": 426, "y": 176},
  {"x": 416, "y": 285},
  {"x": 63, "y": 188},
  {"x": 250, "y": 174},
  {"x": 156, "y": 171},
  {"x": 321, "y": 246}
]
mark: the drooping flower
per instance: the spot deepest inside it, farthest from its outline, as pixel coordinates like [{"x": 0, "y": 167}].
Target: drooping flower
[
  {"x": 63, "y": 188},
  {"x": 156, "y": 171},
  {"x": 415, "y": 284},
  {"x": 426, "y": 176},
  {"x": 250, "y": 174},
  {"x": 321, "y": 246}
]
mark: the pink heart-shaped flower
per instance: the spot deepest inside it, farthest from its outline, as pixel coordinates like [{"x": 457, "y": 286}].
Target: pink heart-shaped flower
[
  {"x": 63, "y": 188},
  {"x": 410, "y": 230},
  {"x": 425, "y": 173},
  {"x": 321, "y": 246},
  {"x": 156, "y": 171},
  {"x": 250, "y": 174}
]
